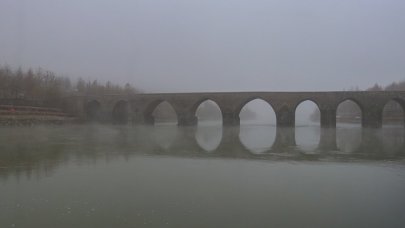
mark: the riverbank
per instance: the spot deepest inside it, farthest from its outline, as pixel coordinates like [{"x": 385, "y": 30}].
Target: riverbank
[
  {"x": 29, "y": 120},
  {"x": 24, "y": 115}
]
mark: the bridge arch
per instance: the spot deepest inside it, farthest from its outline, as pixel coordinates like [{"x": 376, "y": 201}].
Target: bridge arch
[
  {"x": 258, "y": 101},
  {"x": 370, "y": 103},
  {"x": 393, "y": 111},
  {"x": 308, "y": 102},
  {"x": 93, "y": 110},
  {"x": 242, "y": 104},
  {"x": 120, "y": 112},
  {"x": 160, "y": 110},
  {"x": 258, "y": 121},
  {"x": 349, "y": 110},
  {"x": 207, "y": 109},
  {"x": 308, "y": 114},
  {"x": 349, "y": 119}
]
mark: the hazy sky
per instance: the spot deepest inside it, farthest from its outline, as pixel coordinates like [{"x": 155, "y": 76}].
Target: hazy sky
[{"x": 210, "y": 45}]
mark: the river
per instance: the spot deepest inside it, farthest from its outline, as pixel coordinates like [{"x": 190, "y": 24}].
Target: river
[{"x": 205, "y": 176}]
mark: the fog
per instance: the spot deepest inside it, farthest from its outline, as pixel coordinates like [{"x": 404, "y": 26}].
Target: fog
[
  {"x": 126, "y": 160},
  {"x": 189, "y": 45}
]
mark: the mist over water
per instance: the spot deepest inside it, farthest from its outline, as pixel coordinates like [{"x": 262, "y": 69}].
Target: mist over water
[{"x": 208, "y": 175}]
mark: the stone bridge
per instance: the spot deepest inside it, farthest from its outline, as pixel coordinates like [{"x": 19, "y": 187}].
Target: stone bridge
[{"x": 138, "y": 109}]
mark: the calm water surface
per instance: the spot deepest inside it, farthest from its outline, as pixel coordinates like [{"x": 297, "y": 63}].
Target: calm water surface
[{"x": 206, "y": 176}]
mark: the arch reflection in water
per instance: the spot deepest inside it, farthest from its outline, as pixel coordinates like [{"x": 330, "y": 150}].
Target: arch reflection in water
[
  {"x": 208, "y": 136},
  {"x": 257, "y": 139},
  {"x": 164, "y": 135},
  {"x": 348, "y": 137},
  {"x": 394, "y": 140},
  {"x": 307, "y": 126},
  {"x": 348, "y": 126},
  {"x": 393, "y": 131},
  {"x": 387, "y": 143},
  {"x": 257, "y": 126},
  {"x": 45, "y": 148}
]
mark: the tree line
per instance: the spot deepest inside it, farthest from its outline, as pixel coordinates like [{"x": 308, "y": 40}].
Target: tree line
[{"x": 46, "y": 86}]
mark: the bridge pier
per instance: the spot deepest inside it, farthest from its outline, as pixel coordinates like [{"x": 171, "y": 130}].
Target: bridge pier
[
  {"x": 149, "y": 120},
  {"x": 371, "y": 142},
  {"x": 185, "y": 141},
  {"x": 327, "y": 140},
  {"x": 372, "y": 118},
  {"x": 230, "y": 143},
  {"x": 285, "y": 138},
  {"x": 139, "y": 119},
  {"x": 285, "y": 132},
  {"x": 186, "y": 119},
  {"x": 230, "y": 119},
  {"x": 285, "y": 118},
  {"x": 328, "y": 118}
]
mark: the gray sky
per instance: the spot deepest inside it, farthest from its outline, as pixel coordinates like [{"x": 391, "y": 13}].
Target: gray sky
[{"x": 210, "y": 45}]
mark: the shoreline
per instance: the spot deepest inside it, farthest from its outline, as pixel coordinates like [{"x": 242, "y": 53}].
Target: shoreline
[{"x": 18, "y": 120}]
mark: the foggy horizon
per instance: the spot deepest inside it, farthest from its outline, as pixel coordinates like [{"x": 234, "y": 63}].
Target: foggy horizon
[{"x": 210, "y": 46}]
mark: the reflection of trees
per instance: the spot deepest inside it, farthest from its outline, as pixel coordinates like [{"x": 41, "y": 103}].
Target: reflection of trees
[
  {"x": 40, "y": 150},
  {"x": 29, "y": 155}
]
